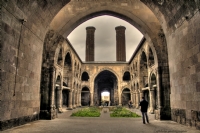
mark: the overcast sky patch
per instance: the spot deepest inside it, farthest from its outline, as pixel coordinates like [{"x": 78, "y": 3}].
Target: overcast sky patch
[{"x": 105, "y": 38}]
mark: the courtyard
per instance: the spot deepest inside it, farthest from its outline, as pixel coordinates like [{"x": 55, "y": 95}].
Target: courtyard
[{"x": 103, "y": 124}]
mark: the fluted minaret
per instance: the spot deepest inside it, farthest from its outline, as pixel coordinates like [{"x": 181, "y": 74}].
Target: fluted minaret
[
  {"x": 120, "y": 43},
  {"x": 90, "y": 43}
]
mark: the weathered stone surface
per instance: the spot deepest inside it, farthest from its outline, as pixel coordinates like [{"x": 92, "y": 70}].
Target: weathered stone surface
[
  {"x": 17, "y": 121},
  {"x": 171, "y": 30}
]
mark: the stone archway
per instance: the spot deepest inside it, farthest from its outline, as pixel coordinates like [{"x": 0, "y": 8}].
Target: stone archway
[
  {"x": 177, "y": 26},
  {"x": 106, "y": 81}
]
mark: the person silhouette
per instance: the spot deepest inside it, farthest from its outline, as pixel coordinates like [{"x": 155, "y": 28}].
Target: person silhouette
[{"x": 144, "y": 105}]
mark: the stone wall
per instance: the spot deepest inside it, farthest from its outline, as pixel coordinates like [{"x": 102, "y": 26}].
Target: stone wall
[
  {"x": 184, "y": 66},
  {"x": 181, "y": 27},
  {"x": 23, "y": 28}
]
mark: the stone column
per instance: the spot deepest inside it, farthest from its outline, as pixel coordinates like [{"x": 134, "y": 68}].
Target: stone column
[
  {"x": 52, "y": 88},
  {"x": 79, "y": 99},
  {"x": 120, "y": 99},
  {"x": 59, "y": 99},
  {"x": 137, "y": 99},
  {"x": 152, "y": 101},
  {"x": 91, "y": 99},
  {"x": 132, "y": 96},
  {"x": 70, "y": 100},
  {"x": 159, "y": 88},
  {"x": 73, "y": 99},
  {"x": 134, "y": 99}
]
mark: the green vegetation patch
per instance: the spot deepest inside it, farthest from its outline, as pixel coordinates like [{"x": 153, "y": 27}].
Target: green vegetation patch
[
  {"x": 87, "y": 112},
  {"x": 122, "y": 112}
]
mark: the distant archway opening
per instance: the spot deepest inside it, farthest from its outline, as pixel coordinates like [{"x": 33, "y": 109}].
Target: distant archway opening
[
  {"x": 105, "y": 98},
  {"x": 126, "y": 96},
  {"x": 65, "y": 98},
  {"x": 105, "y": 81},
  {"x": 85, "y": 96}
]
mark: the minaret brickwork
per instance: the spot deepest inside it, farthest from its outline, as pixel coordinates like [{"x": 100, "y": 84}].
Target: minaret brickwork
[
  {"x": 90, "y": 43},
  {"x": 120, "y": 43}
]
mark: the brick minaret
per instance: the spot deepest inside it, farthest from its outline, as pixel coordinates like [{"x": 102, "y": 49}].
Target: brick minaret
[
  {"x": 120, "y": 43},
  {"x": 90, "y": 44}
]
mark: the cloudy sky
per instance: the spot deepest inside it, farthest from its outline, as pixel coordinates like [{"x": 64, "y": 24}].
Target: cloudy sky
[{"x": 105, "y": 38}]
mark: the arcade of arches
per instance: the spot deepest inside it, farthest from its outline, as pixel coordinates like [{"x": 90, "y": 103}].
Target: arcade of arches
[{"x": 41, "y": 73}]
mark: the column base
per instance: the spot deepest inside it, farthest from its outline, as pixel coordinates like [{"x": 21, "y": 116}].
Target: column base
[
  {"x": 163, "y": 113},
  {"x": 60, "y": 110},
  {"x": 70, "y": 108},
  {"x": 48, "y": 114},
  {"x": 151, "y": 111}
]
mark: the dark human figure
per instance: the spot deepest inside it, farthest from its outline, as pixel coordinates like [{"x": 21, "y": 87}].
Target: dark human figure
[
  {"x": 144, "y": 106},
  {"x": 130, "y": 104}
]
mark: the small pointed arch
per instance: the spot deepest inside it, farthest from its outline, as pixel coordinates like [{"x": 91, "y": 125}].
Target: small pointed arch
[
  {"x": 85, "y": 89},
  {"x": 75, "y": 65},
  {"x": 153, "y": 79},
  {"x": 136, "y": 66},
  {"x": 143, "y": 60},
  {"x": 60, "y": 58},
  {"x": 68, "y": 60},
  {"x": 58, "y": 80},
  {"x": 126, "y": 76},
  {"x": 77, "y": 86},
  {"x": 137, "y": 87},
  {"x": 78, "y": 67},
  {"x": 85, "y": 76},
  {"x": 126, "y": 90},
  {"x": 74, "y": 84},
  {"x": 151, "y": 57}
]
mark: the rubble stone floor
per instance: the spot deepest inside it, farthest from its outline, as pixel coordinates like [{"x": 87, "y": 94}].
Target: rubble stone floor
[{"x": 104, "y": 124}]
